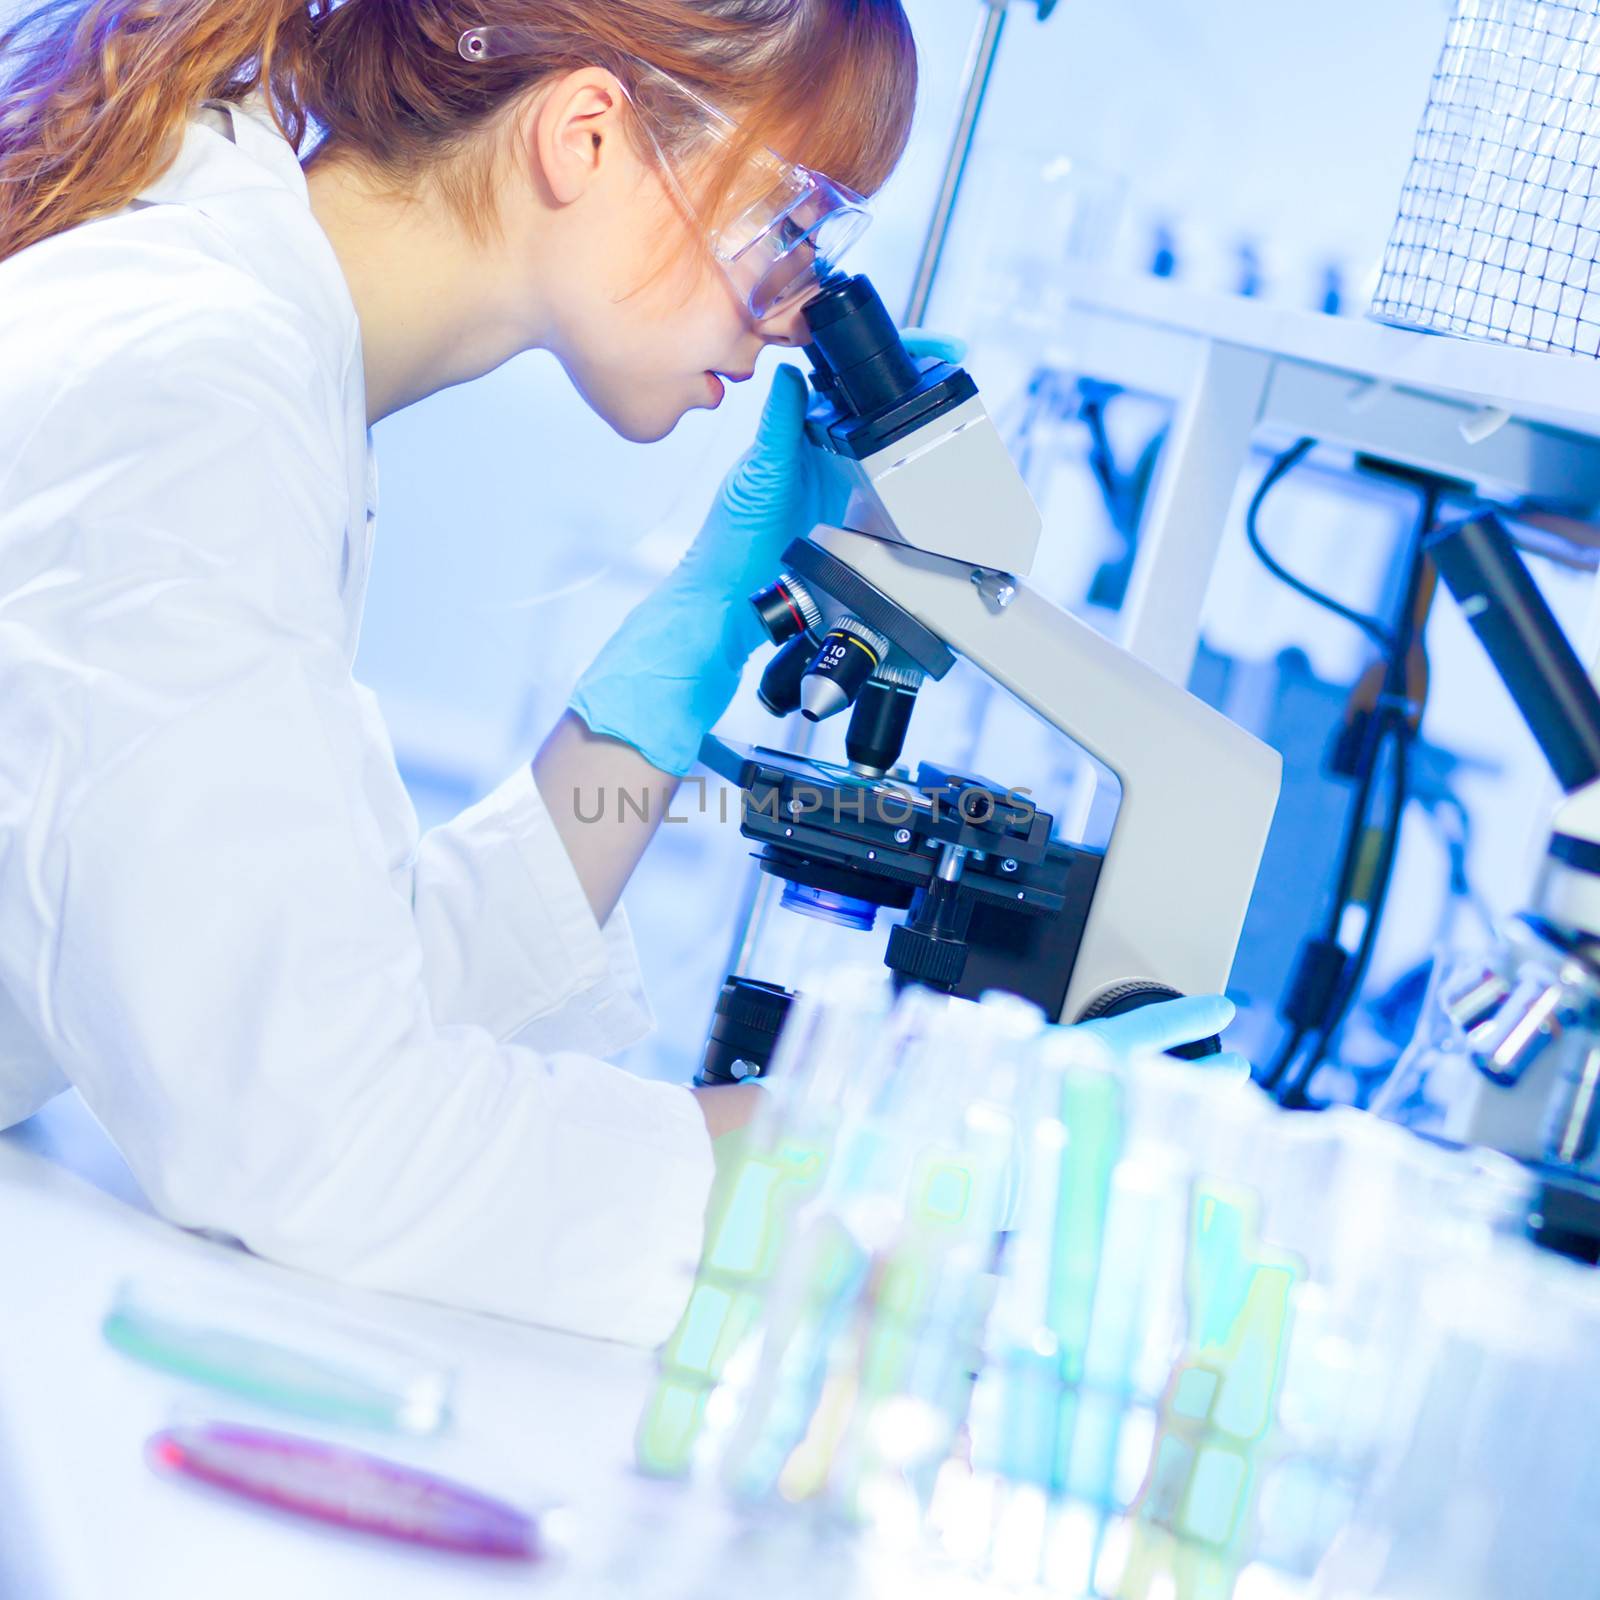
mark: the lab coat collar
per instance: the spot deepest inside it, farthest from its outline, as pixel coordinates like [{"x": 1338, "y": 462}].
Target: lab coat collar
[{"x": 211, "y": 163}]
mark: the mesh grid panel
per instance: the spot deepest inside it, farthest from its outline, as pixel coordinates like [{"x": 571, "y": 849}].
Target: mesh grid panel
[{"x": 1499, "y": 228}]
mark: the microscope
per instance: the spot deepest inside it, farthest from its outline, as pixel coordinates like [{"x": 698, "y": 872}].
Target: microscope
[
  {"x": 1508, "y": 1053},
  {"x": 925, "y": 565}
]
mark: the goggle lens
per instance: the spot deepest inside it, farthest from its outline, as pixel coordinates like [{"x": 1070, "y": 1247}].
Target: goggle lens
[{"x": 792, "y": 262}]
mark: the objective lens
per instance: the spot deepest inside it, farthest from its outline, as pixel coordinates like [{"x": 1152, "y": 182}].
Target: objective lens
[
  {"x": 878, "y": 727},
  {"x": 844, "y": 666},
  {"x": 786, "y": 610},
  {"x": 780, "y": 683}
]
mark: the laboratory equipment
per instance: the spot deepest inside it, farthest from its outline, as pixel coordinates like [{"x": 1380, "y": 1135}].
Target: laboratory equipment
[
  {"x": 1508, "y": 1052},
  {"x": 1482, "y": 1487},
  {"x": 855, "y": 1382},
  {"x": 347, "y": 1488},
  {"x": 937, "y": 533},
  {"x": 1377, "y": 739},
  {"x": 1039, "y": 1320},
  {"x": 1495, "y": 236},
  {"x": 302, "y": 1362},
  {"x": 830, "y": 1060},
  {"x": 756, "y": 901}
]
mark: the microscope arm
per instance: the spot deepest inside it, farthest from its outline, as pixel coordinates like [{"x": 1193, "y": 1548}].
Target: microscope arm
[{"x": 1198, "y": 793}]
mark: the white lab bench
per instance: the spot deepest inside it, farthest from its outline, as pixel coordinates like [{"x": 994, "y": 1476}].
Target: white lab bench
[{"x": 541, "y": 1419}]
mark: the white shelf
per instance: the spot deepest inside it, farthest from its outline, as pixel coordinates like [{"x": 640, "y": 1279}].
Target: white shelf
[
  {"x": 1513, "y": 422},
  {"x": 1557, "y": 391},
  {"x": 1517, "y": 422}
]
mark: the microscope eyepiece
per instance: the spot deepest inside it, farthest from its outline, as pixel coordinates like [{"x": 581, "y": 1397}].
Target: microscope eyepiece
[{"x": 856, "y": 347}]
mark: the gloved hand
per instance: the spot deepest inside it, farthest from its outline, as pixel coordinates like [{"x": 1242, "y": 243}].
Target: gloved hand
[
  {"x": 1168, "y": 1023},
  {"x": 672, "y": 668}
]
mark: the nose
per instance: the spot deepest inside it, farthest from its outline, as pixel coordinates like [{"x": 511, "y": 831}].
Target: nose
[{"x": 785, "y": 327}]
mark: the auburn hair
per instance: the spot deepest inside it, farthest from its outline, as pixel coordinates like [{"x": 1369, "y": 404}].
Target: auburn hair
[{"x": 94, "y": 94}]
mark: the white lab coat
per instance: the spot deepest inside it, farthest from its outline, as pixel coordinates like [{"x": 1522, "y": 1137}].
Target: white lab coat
[{"x": 359, "y": 1052}]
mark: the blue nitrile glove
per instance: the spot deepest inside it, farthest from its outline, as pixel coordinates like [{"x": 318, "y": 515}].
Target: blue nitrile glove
[
  {"x": 671, "y": 669},
  {"x": 1168, "y": 1023},
  {"x": 924, "y": 342}
]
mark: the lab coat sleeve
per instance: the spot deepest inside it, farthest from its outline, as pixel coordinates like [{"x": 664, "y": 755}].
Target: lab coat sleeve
[
  {"x": 29, "y": 1078},
  {"x": 509, "y": 939},
  {"x": 198, "y": 907}
]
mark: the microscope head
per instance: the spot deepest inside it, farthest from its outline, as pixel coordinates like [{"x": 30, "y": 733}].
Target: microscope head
[
  {"x": 911, "y": 456},
  {"x": 909, "y": 442}
]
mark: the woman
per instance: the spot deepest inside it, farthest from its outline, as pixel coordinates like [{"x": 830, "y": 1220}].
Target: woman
[{"x": 359, "y": 1051}]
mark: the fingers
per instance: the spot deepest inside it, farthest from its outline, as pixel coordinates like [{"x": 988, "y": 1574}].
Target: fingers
[
  {"x": 1168, "y": 1023},
  {"x": 783, "y": 420},
  {"x": 1184, "y": 1021},
  {"x": 767, "y": 475},
  {"x": 1229, "y": 1066},
  {"x": 773, "y": 465},
  {"x": 770, "y": 472},
  {"x": 924, "y": 342}
]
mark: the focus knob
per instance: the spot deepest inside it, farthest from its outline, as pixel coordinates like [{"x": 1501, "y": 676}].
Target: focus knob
[
  {"x": 925, "y": 958},
  {"x": 744, "y": 1033},
  {"x": 1135, "y": 995}
]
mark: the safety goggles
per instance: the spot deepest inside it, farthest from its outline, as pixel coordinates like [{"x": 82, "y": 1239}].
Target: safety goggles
[{"x": 791, "y": 225}]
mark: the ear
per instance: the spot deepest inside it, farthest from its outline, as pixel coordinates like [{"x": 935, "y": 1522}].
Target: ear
[{"x": 576, "y": 128}]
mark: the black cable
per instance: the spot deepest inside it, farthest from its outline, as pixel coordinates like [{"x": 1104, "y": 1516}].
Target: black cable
[
  {"x": 1356, "y": 829},
  {"x": 1393, "y": 728},
  {"x": 1276, "y": 473},
  {"x": 1356, "y": 817},
  {"x": 1393, "y": 705},
  {"x": 1317, "y": 1035},
  {"x": 1293, "y": 1092},
  {"x": 1356, "y": 823},
  {"x": 1281, "y": 1062}
]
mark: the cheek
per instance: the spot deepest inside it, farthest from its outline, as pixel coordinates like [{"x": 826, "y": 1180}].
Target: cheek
[
  {"x": 689, "y": 317},
  {"x": 650, "y": 314},
  {"x": 655, "y": 300}
]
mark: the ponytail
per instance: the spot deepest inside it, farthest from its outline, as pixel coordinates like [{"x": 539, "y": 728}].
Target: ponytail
[{"x": 93, "y": 98}]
